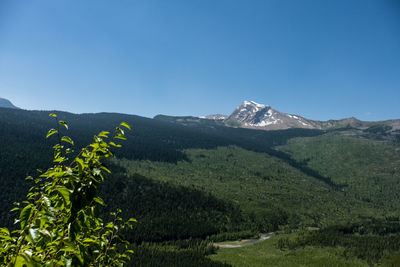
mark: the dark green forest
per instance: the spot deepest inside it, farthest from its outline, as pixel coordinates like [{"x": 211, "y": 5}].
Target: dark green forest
[{"x": 191, "y": 185}]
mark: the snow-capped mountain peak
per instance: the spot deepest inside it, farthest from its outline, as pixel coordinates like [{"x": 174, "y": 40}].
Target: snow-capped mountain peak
[{"x": 251, "y": 114}]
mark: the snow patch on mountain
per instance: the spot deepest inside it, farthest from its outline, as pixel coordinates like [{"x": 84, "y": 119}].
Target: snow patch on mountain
[{"x": 214, "y": 117}]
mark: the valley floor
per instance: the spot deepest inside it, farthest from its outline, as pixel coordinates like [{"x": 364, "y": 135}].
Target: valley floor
[{"x": 267, "y": 253}]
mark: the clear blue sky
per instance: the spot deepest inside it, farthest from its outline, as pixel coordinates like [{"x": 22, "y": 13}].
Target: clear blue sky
[{"x": 319, "y": 59}]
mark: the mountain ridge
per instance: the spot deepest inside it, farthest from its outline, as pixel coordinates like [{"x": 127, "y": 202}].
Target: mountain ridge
[
  {"x": 253, "y": 115},
  {"x": 5, "y": 103}
]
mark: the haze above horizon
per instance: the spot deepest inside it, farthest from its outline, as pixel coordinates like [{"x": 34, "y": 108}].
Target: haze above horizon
[{"x": 318, "y": 59}]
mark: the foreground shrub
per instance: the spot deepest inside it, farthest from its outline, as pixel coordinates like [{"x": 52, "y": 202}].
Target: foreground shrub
[{"x": 59, "y": 223}]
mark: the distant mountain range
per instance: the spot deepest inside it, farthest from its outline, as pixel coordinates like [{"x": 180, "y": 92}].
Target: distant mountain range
[
  {"x": 5, "y": 103},
  {"x": 253, "y": 115}
]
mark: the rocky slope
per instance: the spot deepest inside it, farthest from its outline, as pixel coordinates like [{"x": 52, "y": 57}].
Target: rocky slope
[{"x": 253, "y": 115}]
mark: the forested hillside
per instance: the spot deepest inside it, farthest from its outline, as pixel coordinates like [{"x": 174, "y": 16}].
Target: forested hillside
[
  {"x": 191, "y": 184},
  {"x": 370, "y": 169},
  {"x": 24, "y": 148}
]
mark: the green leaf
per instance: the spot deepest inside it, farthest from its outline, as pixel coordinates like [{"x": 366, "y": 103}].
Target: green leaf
[
  {"x": 120, "y": 136},
  {"x": 89, "y": 240},
  {"x": 105, "y": 169},
  {"x": 132, "y": 220},
  {"x": 96, "y": 171},
  {"x": 51, "y": 132},
  {"x": 68, "y": 246},
  {"x": 97, "y": 139},
  {"x": 67, "y": 139},
  {"x": 34, "y": 234},
  {"x": 126, "y": 125},
  {"x": 57, "y": 146},
  {"x": 80, "y": 163},
  {"x": 5, "y": 231},
  {"x": 120, "y": 130},
  {"x": 104, "y": 134},
  {"x": 64, "y": 192},
  {"x": 46, "y": 201},
  {"x": 44, "y": 232},
  {"x": 99, "y": 200},
  {"x": 52, "y": 115},
  {"x": 67, "y": 262},
  {"x": 63, "y": 123},
  {"x": 56, "y": 154},
  {"x": 23, "y": 260},
  {"x": 60, "y": 159},
  {"x": 25, "y": 215},
  {"x": 110, "y": 225},
  {"x": 114, "y": 144}
]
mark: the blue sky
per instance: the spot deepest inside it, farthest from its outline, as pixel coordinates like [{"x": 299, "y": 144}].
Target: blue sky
[{"x": 319, "y": 59}]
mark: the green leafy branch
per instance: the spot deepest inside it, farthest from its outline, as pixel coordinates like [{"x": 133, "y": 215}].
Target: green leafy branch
[{"x": 59, "y": 222}]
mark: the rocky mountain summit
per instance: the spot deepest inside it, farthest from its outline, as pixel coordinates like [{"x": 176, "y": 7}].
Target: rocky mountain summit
[{"x": 253, "y": 115}]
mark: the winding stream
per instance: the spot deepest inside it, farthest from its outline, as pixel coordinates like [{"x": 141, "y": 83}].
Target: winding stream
[{"x": 245, "y": 242}]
